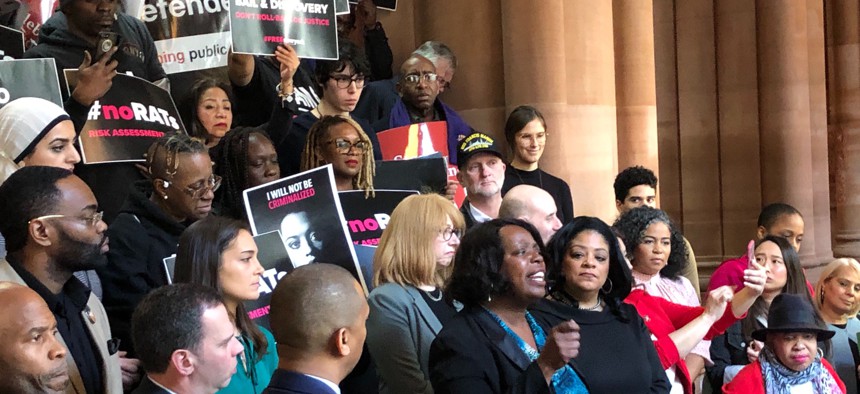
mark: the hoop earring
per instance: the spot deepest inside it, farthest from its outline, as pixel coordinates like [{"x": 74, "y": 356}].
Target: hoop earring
[
  {"x": 602, "y": 288},
  {"x": 820, "y": 353}
]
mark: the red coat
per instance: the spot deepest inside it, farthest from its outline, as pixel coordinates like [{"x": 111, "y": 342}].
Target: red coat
[
  {"x": 750, "y": 381},
  {"x": 664, "y": 317}
]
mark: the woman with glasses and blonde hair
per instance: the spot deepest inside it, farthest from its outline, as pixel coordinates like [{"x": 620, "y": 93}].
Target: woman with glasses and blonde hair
[
  {"x": 837, "y": 298},
  {"x": 341, "y": 142},
  {"x": 407, "y": 308},
  {"x": 146, "y": 232}
]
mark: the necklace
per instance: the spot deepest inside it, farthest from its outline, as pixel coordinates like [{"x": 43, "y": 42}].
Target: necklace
[
  {"x": 431, "y": 297},
  {"x": 517, "y": 172},
  {"x": 595, "y": 307}
]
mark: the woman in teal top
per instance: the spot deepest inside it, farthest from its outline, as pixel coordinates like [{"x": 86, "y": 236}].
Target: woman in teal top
[{"x": 221, "y": 253}]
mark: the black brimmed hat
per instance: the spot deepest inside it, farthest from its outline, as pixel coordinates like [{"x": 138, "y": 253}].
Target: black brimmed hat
[{"x": 791, "y": 313}]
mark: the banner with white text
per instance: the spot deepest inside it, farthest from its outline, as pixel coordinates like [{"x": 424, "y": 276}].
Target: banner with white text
[
  {"x": 123, "y": 124},
  {"x": 189, "y": 35},
  {"x": 259, "y": 26}
]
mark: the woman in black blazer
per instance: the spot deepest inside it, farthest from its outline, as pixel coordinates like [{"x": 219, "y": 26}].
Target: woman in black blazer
[{"x": 494, "y": 345}]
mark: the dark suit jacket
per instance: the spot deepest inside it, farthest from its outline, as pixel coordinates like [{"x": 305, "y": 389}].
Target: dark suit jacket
[
  {"x": 288, "y": 382},
  {"x": 473, "y": 354},
  {"x": 147, "y": 387}
]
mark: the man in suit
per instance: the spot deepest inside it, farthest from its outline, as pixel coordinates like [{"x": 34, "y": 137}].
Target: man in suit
[
  {"x": 33, "y": 360},
  {"x": 185, "y": 339},
  {"x": 53, "y": 228},
  {"x": 318, "y": 315}
]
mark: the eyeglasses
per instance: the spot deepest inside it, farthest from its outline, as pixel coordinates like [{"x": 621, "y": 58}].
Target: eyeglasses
[
  {"x": 344, "y": 146},
  {"x": 197, "y": 192},
  {"x": 449, "y": 232},
  {"x": 414, "y": 79},
  {"x": 91, "y": 220},
  {"x": 343, "y": 81}
]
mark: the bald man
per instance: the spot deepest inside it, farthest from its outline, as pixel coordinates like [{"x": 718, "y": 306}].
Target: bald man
[
  {"x": 533, "y": 205},
  {"x": 318, "y": 315},
  {"x": 32, "y": 360}
]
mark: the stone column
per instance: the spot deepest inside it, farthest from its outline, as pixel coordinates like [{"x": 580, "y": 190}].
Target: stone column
[
  {"x": 635, "y": 84},
  {"x": 784, "y": 110}
]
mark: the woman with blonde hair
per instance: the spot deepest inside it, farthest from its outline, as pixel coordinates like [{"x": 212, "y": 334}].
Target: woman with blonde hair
[
  {"x": 837, "y": 298},
  {"x": 341, "y": 142},
  {"x": 407, "y": 309}
]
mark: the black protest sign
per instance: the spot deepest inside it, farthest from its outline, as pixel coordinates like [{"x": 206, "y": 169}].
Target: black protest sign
[
  {"x": 259, "y": 26},
  {"x": 29, "y": 78},
  {"x": 11, "y": 43},
  {"x": 367, "y": 217},
  {"x": 189, "y": 35},
  {"x": 306, "y": 210},
  {"x": 426, "y": 175},
  {"x": 390, "y": 5},
  {"x": 273, "y": 257},
  {"x": 127, "y": 120}
]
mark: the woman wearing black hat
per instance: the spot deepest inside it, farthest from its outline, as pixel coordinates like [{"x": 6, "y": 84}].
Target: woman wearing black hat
[{"x": 789, "y": 362}]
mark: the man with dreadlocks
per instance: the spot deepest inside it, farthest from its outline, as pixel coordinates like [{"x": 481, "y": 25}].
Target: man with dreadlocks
[
  {"x": 244, "y": 158},
  {"x": 340, "y": 141},
  {"x": 146, "y": 232}
]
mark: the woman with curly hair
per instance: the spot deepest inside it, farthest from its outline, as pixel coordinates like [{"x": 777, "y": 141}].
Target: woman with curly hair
[
  {"x": 657, "y": 254},
  {"x": 341, "y": 142},
  {"x": 244, "y": 158}
]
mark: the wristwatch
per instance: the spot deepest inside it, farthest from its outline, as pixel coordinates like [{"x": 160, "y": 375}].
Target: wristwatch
[{"x": 285, "y": 98}]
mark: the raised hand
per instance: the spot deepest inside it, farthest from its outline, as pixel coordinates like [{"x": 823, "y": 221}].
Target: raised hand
[
  {"x": 715, "y": 303},
  {"x": 289, "y": 64},
  {"x": 562, "y": 344},
  {"x": 755, "y": 275},
  {"x": 95, "y": 79}
]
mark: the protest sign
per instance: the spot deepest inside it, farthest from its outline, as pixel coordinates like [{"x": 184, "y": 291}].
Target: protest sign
[
  {"x": 390, "y": 5},
  {"x": 417, "y": 140},
  {"x": 367, "y": 217},
  {"x": 426, "y": 175},
  {"x": 259, "y": 26},
  {"x": 29, "y": 78},
  {"x": 365, "y": 255},
  {"x": 306, "y": 210},
  {"x": 273, "y": 257},
  {"x": 189, "y": 35},
  {"x": 127, "y": 120},
  {"x": 11, "y": 43}
]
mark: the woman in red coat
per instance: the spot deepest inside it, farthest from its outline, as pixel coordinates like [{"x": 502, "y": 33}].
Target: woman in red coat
[{"x": 789, "y": 362}]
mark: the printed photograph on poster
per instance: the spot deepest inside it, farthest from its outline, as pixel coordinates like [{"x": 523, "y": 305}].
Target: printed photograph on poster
[
  {"x": 122, "y": 125},
  {"x": 426, "y": 174},
  {"x": 366, "y": 218},
  {"x": 273, "y": 257},
  {"x": 12, "y": 43},
  {"x": 306, "y": 210},
  {"x": 29, "y": 78},
  {"x": 365, "y": 255},
  {"x": 310, "y": 26},
  {"x": 188, "y": 35},
  {"x": 390, "y": 5}
]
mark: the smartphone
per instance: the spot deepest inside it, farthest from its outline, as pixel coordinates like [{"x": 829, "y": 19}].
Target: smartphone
[{"x": 107, "y": 40}]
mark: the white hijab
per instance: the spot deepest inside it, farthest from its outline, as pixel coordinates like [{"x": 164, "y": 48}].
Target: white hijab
[{"x": 23, "y": 123}]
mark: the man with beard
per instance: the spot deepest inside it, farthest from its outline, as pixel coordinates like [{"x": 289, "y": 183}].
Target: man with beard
[
  {"x": 53, "y": 228},
  {"x": 33, "y": 359},
  {"x": 482, "y": 173}
]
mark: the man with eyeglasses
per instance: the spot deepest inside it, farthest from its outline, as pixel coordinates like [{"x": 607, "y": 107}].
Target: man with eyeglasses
[
  {"x": 340, "y": 82},
  {"x": 180, "y": 191},
  {"x": 53, "y": 227}
]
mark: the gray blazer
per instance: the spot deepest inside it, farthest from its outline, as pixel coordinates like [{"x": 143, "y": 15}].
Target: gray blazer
[
  {"x": 400, "y": 329},
  {"x": 97, "y": 325}
]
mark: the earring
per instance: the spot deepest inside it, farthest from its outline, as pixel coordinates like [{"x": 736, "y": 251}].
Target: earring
[
  {"x": 165, "y": 196},
  {"x": 602, "y": 288}
]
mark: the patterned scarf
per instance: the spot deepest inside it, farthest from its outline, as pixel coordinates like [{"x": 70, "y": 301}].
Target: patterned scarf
[
  {"x": 778, "y": 379},
  {"x": 565, "y": 380}
]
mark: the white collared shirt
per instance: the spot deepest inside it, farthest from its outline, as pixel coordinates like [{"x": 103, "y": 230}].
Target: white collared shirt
[
  {"x": 328, "y": 383},
  {"x": 159, "y": 385},
  {"x": 479, "y": 216}
]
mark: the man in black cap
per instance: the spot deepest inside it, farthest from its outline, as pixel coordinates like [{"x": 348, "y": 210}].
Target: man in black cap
[{"x": 482, "y": 174}]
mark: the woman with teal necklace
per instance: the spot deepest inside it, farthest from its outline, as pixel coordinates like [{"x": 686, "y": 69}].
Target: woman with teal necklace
[
  {"x": 494, "y": 345},
  {"x": 221, "y": 253}
]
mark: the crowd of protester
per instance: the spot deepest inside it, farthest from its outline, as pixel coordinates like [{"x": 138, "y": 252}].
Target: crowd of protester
[{"x": 510, "y": 292}]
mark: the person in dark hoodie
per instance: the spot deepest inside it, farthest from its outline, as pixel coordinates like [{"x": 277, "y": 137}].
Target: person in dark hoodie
[
  {"x": 340, "y": 82},
  {"x": 147, "y": 230},
  {"x": 70, "y": 37}
]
